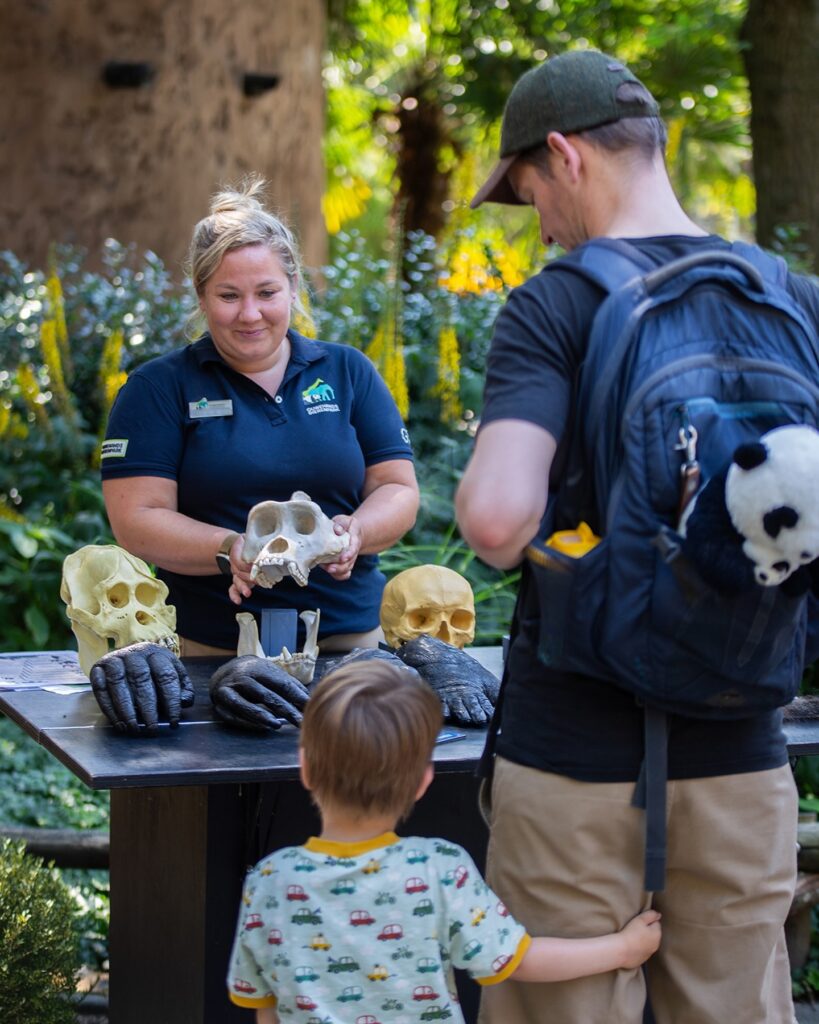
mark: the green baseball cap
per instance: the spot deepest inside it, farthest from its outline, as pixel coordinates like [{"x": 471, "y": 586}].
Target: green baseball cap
[{"x": 568, "y": 93}]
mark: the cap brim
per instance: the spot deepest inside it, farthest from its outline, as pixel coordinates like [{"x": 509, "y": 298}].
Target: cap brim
[{"x": 497, "y": 188}]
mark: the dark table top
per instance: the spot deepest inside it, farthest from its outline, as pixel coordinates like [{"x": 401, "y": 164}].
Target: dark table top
[{"x": 201, "y": 751}]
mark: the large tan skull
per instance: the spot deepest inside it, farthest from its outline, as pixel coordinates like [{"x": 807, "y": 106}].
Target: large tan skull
[
  {"x": 113, "y": 601},
  {"x": 289, "y": 538},
  {"x": 428, "y": 599}
]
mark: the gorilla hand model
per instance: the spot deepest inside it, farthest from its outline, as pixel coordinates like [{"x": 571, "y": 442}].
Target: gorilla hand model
[
  {"x": 254, "y": 693},
  {"x": 141, "y": 684},
  {"x": 466, "y": 689}
]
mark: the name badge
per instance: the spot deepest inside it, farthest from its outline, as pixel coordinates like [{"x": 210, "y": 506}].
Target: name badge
[{"x": 203, "y": 408}]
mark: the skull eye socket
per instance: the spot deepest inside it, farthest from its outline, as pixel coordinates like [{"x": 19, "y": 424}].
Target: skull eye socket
[
  {"x": 147, "y": 594},
  {"x": 269, "y": 522},
  {"x": 118, "y": 595},
  {"x": 462, "y": 619},
  {"x": 304, "y": 520},
  {"x": 419, "y": 618}
]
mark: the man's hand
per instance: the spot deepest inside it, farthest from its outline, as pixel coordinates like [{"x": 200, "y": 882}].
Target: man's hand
[
  {"x": 466, "y": 689},
  {"x": 254, "y": 693},
  {"x": 141, "y": 685}
]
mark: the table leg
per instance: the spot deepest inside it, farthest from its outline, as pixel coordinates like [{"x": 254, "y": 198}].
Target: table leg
[{"x": 176, "y": 874}]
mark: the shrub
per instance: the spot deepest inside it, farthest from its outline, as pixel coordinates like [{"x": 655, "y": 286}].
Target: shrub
[{"x": 38, "y": 945}]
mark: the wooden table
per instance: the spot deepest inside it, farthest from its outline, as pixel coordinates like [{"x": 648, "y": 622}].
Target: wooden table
[{"x": 191, "y": 809}]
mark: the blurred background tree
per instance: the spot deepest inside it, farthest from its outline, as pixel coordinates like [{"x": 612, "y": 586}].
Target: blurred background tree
[{"x": 415, "y": 89}]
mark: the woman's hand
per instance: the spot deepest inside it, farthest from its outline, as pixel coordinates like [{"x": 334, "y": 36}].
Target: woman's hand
[
  {"x": 242, "y": 584},
  {"x": 342, "y": 568}
]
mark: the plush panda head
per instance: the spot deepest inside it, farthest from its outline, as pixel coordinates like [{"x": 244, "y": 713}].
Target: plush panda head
[{"x": 772, "y": 498}]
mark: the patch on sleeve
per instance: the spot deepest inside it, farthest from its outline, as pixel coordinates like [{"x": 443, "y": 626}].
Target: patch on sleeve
[{"x": 114, "y": 448}]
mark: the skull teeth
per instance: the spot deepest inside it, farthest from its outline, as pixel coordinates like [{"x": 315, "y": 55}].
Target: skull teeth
[{"x": 280, "y": 567}]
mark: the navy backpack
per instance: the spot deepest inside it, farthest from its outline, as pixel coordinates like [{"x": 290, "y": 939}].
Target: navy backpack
[{"x": 685, "y": 362}]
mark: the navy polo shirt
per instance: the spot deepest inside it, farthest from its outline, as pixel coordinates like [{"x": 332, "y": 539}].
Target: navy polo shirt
[{"x": 187, "y": 416}]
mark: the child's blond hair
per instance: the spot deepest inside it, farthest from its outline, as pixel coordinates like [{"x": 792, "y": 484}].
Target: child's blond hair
[{"x": 367, "y": 736}]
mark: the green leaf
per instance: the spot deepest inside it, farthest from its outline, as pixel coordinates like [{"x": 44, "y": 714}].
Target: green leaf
[
  {"x": 25, "y": 544},
  {"x": 37, "y": 625}
]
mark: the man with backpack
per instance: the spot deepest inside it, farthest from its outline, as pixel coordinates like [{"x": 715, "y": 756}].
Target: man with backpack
[{"x": 620, "y": 378}]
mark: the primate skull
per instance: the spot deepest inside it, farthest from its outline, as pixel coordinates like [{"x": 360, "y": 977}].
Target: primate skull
[
  {"x": 112, "y": 596},
  {"x": 431, "y": 600},
  {"x": 288, "y": 538}
]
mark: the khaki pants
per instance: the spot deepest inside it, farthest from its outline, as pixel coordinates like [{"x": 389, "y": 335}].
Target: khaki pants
[{"x": 567, "y": 859}]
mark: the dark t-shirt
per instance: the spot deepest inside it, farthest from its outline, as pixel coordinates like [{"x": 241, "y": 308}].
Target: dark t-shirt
[
  {"x": 187, "y": 416},
  {"x": 574, "y": 725}
]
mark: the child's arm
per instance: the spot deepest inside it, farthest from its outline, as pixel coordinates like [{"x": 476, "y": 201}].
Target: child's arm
[
  {"x": 267, "y": 1016},
  {"x": 549, "y": 959}
]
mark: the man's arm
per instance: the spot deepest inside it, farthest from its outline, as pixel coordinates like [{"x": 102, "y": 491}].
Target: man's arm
[{"x": 502, "y": 496}]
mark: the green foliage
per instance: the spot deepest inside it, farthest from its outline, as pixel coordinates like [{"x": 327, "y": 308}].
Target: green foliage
[
  {"x": 466, "y": 57},
  {"x": 38, "y": 944},
  {"x": 50, "y": 496},
  {"x": 36, "y": 790}
]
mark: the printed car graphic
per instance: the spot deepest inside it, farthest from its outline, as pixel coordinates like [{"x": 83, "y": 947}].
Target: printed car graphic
[
  {"x": 305, "y": 916},
  {"x": 343, "y": 964}
]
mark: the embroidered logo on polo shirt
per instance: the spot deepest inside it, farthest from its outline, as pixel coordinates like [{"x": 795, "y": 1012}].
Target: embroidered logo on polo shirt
[
  {"x": 115, "y": 448},
  {"x": 319, "y": 397},
  {"x": 205, "y": 408}
]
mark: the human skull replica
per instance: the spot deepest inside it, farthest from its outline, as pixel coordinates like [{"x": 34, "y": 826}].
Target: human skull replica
[
  {"x": 300, "y": 665},
  {"x": 289, "y": 538},
  {"x": 431, "y": 600},
  {"x": 113, "y": 601}
]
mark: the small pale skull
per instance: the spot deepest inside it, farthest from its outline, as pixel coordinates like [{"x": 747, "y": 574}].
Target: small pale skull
[
  {"x": 289, "y": 538},
  {"x": 113, "y": 601},
  {"x": 300, "y": 665},
  {"x": 431, "y": 600}
]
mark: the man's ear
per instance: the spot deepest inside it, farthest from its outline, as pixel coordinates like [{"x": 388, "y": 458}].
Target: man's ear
[
  {"x": 426, "y": 779},
  {"x": 305, "y": 781},
  {"x": 566, "y": 153}
]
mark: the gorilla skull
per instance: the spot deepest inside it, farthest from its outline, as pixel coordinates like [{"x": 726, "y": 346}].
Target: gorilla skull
[
  {"x": 431, "y": 600},
  {"x": 288, "y": 538},
  {"x": 112, "y": 596}
]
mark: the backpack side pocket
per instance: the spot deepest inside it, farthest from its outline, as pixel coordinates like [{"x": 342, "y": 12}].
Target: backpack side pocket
[{"x": 571, "y": 592}]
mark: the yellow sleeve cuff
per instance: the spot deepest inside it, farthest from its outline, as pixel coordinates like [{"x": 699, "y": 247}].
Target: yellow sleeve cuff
[
  {"x": 252, "y": 1004},
  {"x": 510, "y": 966}
]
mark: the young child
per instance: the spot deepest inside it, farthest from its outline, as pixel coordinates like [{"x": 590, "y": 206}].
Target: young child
[{"x": 361, "y": 925}]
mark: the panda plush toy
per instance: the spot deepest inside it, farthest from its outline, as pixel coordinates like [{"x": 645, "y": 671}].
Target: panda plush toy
[{"x": 757, "y": 522}]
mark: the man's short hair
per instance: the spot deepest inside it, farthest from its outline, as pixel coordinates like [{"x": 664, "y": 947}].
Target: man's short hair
[
  {"x": 367, "y": 736},
  {"x": 645, "y": 135}
]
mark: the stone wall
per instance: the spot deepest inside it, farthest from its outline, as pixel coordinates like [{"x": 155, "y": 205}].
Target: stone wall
[{"x": 81, "y": 160}]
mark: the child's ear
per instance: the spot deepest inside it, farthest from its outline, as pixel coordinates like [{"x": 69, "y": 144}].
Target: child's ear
[
  {"x": 303, "y": 770},
  {"x": 426, "y": 779}
]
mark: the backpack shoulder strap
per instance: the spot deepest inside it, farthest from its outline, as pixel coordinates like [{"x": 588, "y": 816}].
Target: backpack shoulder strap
[
  {"x": 607, "y": 262},
  {"x": 773, "y": 268}
]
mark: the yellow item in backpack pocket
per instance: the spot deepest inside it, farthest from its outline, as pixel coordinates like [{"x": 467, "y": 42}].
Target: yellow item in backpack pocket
[{"x": 574, "y": 543}]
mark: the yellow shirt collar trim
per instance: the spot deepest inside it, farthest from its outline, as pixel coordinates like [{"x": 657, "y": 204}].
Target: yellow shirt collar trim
[{"x": 335, "y": 848}]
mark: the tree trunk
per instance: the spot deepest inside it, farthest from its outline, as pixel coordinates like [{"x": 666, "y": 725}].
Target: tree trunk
[
  {"x": 121, "y": 117},
  {"x": 782, "y": 63},
  {"x": 423, "y": 184}
]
